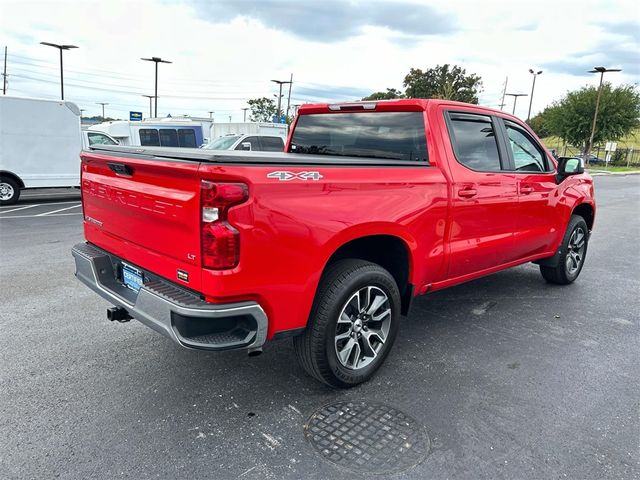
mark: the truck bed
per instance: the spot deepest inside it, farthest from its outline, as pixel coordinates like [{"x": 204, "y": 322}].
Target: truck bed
[{"x": 244, "y": 157}]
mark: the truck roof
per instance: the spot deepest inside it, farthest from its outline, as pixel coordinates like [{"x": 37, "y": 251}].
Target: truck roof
[{"x": 400, "y": 104}]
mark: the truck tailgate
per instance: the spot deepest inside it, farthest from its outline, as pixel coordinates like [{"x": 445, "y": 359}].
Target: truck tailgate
[{"x": 152, "y": 204}]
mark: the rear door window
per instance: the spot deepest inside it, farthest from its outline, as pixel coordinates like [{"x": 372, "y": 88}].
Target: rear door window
[
  {"x": 473, "y": 138},
  {"x": 384, "y": 135},
  {"x": 272, "y": 144}
]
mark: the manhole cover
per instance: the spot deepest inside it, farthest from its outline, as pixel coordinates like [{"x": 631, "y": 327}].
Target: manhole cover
[{"x": 367, "y": 437}]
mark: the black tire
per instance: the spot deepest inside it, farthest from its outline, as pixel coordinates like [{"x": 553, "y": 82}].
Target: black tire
[
  {"x": 571, "y": 259},
  {"x": 317, "y": 347},
  {"x": 9, "y": 191}
]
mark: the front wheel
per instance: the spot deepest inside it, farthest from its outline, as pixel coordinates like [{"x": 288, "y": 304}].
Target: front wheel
[
  {"x": 353, "y": 324},
  {"x": 572, "y": 254}
]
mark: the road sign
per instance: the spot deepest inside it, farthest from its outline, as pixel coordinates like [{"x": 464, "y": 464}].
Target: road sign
[
  {"x": 610, "y": 147},
  {"x": 135, "y": 116}
]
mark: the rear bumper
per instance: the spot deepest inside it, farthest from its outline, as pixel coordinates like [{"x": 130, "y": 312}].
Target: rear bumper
[{"x": 174, "y": 312}]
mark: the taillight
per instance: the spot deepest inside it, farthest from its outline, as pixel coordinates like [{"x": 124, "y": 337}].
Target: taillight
[{"x": 220, "y": 241}]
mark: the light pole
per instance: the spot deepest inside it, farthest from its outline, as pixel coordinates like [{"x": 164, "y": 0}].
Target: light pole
[
  {"x": 515, "y": 99},
  {"x": 244, "y": 111},
  {"x": 601, "y": 71},
  {"x": 149, "y": 97},
  {"x": 103, "y": 104},
  {"x": 280, "y": 83},
  {"x": 61, "y": 48},
  {"x": 211, "y": 112},
  {"x": 535, "y": 74},
  {"x": 156, "y": 60}
]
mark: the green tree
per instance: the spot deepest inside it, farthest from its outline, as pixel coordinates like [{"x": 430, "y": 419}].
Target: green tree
[
  {"x": 262, "y": 109},
  {"x": 571, "y": 118},
  {"x": 445, "y": 82},
  {"x": 390, "y": 94}
]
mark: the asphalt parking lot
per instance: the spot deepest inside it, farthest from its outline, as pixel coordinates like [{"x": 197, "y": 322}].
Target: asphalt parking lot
[{"x": 509, "y": 377}]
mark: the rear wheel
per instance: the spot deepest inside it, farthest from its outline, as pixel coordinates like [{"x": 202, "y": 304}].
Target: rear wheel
[
  {"x": 353, "y": 324},
  {"x": 9, "y": 191},
  {"x": 572, "y": 254}
]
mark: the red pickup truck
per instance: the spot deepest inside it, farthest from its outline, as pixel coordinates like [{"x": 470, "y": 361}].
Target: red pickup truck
[{"x": 371, "y": 204}]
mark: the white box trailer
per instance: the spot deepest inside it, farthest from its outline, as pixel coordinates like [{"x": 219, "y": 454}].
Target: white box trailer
[
  {"x": 40, "y": 144},
  {"x": 249, "y": 128}
]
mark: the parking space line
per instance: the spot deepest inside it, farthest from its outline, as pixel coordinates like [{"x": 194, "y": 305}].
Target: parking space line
[
  {"x": 24, "y": 195},
  {"x": 38, "y": 216},
  {"x": 47, "y": 203},
  {"x": 19, "y": 208},
  {"x": 56, "y": 211}
]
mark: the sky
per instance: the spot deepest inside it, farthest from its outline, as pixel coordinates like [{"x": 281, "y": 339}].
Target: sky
[{"x": 226, "y": 52}]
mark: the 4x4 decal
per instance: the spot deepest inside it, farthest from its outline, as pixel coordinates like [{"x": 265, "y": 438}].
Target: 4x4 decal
[{"x": 286, "y": 176}]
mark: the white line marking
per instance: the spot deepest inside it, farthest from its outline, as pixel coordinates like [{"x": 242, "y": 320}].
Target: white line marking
[
  {"x": 19, "y": 208},
  {"x": 25, "y": 195},
  {"x": 56, "y": 211},
  {"x": 48, "y": 203},
  {"x": 37, "y": 216}
]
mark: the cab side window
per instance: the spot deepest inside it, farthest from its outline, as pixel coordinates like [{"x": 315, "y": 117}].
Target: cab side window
[
  {"x": 473, "y": 138},
  {"x": 526, "y": 154}
]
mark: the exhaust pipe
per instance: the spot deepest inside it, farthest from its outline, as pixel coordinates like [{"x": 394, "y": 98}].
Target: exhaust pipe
[
  {"x": 254, "y": 352},
  {"x": 118, "y": 314}
]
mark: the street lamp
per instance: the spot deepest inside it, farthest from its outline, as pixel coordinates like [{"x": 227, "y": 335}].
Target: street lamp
[
  {"x": 149, "y": 97},
  {"x": 103, "y": 104},
  {"x": 280, "y": 83},
  {"x": 61, "y": 48},
  {"x": 211, "y": 112},
  {"x": 601, "y": 71},
  {"x": 515, "y": 99},
  {"x": 156, "y": 60},
  {"x": 535, "y": 74}
]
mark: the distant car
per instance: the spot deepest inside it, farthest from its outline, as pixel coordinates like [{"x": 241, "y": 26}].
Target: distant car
[
  {"x": 592, "y": 159},
  {"x": 260, "y": 143}
]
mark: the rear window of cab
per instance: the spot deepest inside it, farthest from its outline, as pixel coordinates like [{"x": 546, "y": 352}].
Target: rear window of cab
[{"x": 383, "y": 135}]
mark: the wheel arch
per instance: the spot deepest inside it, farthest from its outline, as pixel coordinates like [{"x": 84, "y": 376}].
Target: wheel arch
[
  {"x": 16, "y": 178},
  {"x": 586, "y": 211},
  {"x": 389, "y": 251}
]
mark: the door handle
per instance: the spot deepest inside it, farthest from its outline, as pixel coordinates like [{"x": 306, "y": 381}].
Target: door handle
[
  {"x": 526, "y": 189},
  {"x": 467, "y": 192}
]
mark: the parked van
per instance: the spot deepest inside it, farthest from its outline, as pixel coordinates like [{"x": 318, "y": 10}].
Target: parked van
[
  {"x": 184, "y": 132},
  {"x": 40, "y": 144}
]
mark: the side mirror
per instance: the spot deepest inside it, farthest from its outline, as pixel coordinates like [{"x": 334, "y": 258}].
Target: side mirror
[
  {"x": 245, "y": 146},
  {"x": 568, "y": 167}
]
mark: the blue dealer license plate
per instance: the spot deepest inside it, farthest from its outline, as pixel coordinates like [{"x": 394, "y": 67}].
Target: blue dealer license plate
[{"x": 132, "y": 277}]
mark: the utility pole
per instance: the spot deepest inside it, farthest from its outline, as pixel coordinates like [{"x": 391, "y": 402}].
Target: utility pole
[
  {"x": 280, "y": 83},
  {"x": 504, "y": 92},
  {"x": 535, "y": 74},
  {"x": 244, "y": 112},
  {"x": 601, "y": 71},
  {"x": 289, "y": 99},
  {"x": 4, "y": 73},
  {"x": 149, "y": 97},
  {"x": 61, "y": 48},
  {"x": 515, "y": 99},
  {"x": 156, "y": 60},
  {"x": 103, "y": 104}
]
